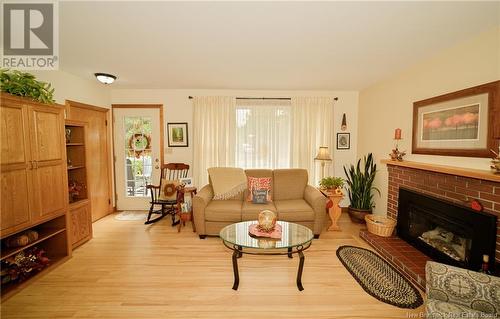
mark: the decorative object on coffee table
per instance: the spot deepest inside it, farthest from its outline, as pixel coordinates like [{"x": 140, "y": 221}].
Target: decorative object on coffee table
[
  {"x": 266, "y": 226},
  {"x": 378, "y": 278},
  {"x": 267, "y": 220},
  {"x": 360, "y": 188}
]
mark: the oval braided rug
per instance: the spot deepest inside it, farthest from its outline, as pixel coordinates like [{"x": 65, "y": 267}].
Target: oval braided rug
[{"x": 379, "y": 278}]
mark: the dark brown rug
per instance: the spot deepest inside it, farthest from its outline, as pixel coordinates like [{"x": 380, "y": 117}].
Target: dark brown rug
[{"x": 379, "y": 278}]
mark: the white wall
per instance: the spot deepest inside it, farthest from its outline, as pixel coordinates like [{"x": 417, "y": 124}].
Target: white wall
[
  {"x": 70, "y": 87},
  {"x": 389, "y": 104},
  {"x": 178, "y": 108}
]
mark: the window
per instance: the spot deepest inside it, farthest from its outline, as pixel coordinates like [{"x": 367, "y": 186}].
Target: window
[{"x": 263, "y": 133}]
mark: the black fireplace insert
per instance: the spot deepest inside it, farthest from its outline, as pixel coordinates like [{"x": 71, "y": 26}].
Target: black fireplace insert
[{"x": 446, "y": 232}]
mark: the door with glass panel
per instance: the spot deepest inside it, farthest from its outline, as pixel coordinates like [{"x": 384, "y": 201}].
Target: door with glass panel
[{"x": 137, "y": 155}]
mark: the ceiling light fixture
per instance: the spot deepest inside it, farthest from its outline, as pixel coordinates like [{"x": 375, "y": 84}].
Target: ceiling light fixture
[{"x": 105, "y": 78}]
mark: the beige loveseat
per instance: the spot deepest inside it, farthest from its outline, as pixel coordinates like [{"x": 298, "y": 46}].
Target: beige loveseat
[{"x": 292, "y": 199}]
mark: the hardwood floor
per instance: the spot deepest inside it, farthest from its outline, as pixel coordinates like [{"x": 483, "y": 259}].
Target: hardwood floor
[{"x": 129, "y": 270}]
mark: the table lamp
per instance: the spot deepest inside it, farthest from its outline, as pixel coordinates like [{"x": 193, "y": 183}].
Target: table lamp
[{"x": 324, "y": 157}]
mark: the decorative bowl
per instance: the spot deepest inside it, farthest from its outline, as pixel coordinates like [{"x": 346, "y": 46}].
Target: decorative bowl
[{"x": 267, "y": 220}]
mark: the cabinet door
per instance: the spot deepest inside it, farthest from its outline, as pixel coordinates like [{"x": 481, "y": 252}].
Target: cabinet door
[
  {"x": 16, "y": 174},
  {"x": 81, "y": 226},
  {"x": 48, "y": 153}
]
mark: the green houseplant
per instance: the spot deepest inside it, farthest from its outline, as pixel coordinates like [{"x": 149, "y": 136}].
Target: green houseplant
[
  {"x": 360, "y": 188},
  {"x": 25, "y": 85},
  {"x": 331, "y": 182}
]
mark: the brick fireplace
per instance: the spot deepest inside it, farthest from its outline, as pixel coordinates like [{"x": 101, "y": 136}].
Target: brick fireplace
[
  {"x": 440, "y": 183},
  {"x": 454, "y": 185}
]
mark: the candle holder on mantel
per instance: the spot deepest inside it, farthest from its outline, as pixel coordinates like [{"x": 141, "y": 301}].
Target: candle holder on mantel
[{"x": 396, "y": 154}]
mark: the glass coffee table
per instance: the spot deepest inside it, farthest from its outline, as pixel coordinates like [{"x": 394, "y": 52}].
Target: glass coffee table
[{"x": 294, "y": 240}]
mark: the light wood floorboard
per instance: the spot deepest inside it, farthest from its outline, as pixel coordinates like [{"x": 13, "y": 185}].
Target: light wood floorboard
[{"x": 129, "y": 270}]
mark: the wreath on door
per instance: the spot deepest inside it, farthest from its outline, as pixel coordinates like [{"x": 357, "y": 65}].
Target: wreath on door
[{"x": 138, "y": 143}]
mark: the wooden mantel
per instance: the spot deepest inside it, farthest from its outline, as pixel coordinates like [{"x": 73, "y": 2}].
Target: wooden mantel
[{"x": 452, "y": 170}]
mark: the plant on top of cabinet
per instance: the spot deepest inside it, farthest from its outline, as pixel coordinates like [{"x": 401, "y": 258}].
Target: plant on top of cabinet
[{"x": 25, "y": 84}]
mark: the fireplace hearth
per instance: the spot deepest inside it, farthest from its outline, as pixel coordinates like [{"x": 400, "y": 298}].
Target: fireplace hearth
[{"x": 445, "y": 231}]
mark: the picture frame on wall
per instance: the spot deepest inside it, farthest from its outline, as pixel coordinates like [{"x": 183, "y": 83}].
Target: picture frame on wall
[
  {"x": 177, "y": 134},
  {"x": 343, "y": 141},
  {"x": 460, "y": 123}
]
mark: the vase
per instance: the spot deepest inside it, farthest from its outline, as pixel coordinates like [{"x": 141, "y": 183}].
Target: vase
[{"x": 357, "y": 215}]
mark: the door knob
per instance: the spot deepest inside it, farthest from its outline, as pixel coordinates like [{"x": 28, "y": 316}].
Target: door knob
[
  {"x": 157, "y": 160},
  {"x": 157, "y": 167}
]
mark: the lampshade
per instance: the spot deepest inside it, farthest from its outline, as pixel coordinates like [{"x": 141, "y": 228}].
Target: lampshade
[{"x": 323, "y": 154}]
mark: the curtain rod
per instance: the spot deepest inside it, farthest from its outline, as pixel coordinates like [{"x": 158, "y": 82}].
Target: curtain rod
[{"x": 264, "y": 98}]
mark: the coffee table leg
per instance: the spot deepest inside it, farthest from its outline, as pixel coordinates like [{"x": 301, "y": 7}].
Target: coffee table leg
[
  {"x": 240, "y": 254},
  {"x": 290, "y": 252},
  {"x": 299, "y": 273},
  {"x": 236, "y": 255}
]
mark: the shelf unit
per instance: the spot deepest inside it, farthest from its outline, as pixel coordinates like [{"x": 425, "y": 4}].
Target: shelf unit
[
  {"x": 79, "y": 206},
  {"x": 34, "y": 183}
]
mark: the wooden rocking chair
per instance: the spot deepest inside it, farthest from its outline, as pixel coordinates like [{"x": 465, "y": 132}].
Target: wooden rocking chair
[{"x": 171, "y": 171}]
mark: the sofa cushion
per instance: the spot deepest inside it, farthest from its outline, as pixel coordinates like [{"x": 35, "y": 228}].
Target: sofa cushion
[
  {"x": 261, "y": 173},
  {"x": 250, "y": 211},
  {"x": 289, "y": 183},
  {"x": 294, "y": 210},
  {"x": 435, "y": 309},
  {"x": 223, "y": 211}
]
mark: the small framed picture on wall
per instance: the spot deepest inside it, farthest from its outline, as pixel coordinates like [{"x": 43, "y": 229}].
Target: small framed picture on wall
[
  {"x": 343, "y": 141},
  {"x": 177, "y": 134}
]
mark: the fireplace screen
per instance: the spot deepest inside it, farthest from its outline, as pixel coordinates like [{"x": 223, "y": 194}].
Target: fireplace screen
[{"x": 440, "y": 235}]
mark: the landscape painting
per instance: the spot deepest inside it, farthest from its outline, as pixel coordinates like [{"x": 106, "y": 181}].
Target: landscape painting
[{"x": 460, "y": 123}]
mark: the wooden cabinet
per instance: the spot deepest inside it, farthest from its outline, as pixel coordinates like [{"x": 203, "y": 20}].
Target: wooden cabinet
[
  {"x": 34, "y": 193},
  {"x": 33, "y": 163},
  {"x": 79, "y": 193},
  {"x": 81, "y": 223}
]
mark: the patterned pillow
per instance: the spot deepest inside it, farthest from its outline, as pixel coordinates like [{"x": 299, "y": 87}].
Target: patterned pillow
[
  {"x": 168, "y": 190},
  {"x": 258, "y": 183},
  {"x": 260, "y": 196}
]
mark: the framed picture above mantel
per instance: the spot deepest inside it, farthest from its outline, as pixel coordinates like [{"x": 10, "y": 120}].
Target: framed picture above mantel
[{"x": 461, "y": 123}]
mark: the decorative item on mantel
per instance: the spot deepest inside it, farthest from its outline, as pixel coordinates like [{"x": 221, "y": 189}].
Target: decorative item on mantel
[
  {"x": 396, "y": 154},
  {"x": 495, "y": 162},
  {"x": 267, "y": 226}
]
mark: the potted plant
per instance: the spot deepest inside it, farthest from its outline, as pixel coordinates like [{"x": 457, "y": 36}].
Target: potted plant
[
  {"x": 360, "y": 188},
  {"x": 25, "y": 84},
  {"x": 331, "y": 183}
]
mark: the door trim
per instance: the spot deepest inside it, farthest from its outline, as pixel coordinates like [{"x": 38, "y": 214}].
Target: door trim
[
  {"x": 162, "y": 133},
  {"x": 72, "y": 104}
]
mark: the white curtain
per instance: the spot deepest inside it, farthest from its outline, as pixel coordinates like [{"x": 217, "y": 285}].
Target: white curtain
[
  {"x": 214, "y": 135},
  {"x": 312, "y": 128},
  {"x": 263, "y": 133}
]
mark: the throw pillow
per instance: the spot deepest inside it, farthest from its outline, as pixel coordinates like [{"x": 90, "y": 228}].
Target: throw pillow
[
  {"x": 258, "y": 183},
  {"x": 259, "y": 196},
  {"x": 168, "y": 190}
]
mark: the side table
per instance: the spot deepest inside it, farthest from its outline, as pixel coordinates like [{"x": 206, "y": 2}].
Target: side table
[
  {"x": 334, "y": 210},
  {"x": 185, "y": 216}
]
